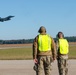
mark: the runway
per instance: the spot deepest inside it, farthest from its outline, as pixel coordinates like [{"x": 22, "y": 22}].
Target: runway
[{"x": 25, "y": 67}]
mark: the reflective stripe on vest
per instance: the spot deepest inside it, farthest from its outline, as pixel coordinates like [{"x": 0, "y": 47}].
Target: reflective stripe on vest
[
  {"x": 44, "y": 42},
  {"x": 63, "y": 45}
]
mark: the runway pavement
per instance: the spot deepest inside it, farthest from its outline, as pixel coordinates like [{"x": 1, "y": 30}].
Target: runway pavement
[{"x": 25, "y": 67}]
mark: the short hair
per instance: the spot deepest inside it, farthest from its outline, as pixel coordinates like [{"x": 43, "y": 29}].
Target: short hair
[
  {"x": 40, "y": 29},
  {"x": 58, "y": 35}
]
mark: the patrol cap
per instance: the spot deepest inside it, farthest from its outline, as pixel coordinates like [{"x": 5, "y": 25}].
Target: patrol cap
[{"x": 42, "y": 29}]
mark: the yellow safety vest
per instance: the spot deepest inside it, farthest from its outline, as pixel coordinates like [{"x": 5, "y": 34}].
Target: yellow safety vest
[
  {"x": 63, "y": 46},
  {"x": 44, "y": 42}
]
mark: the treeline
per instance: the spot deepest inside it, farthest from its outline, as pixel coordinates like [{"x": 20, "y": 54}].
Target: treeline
[
  {"x": 70, "y": 39},
  {"x": 21, "y": 41},
  {"x": 27, "y": 41}
]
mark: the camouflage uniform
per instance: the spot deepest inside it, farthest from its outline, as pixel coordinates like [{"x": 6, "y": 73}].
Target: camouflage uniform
[
  {"x": 63, "y": 64},
  {"x": 44, "y": 58},
  {"x": 44, "y": 63},
  {"x": 62, "y": 60}
]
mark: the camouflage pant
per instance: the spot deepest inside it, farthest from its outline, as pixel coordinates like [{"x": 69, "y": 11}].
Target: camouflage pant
[
  {"x": 44, "y": 63},
  {"x": 63, "y": 65}
]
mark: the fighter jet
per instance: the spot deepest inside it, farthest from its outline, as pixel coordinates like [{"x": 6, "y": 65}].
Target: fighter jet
[{"x": 6, "y": 18}]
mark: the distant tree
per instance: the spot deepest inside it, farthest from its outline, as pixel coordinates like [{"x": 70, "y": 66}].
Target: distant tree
[{"x": 25, "y": 41}]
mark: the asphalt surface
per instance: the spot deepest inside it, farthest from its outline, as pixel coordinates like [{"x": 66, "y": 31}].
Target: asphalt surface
[{"x": 25, "y": 67}]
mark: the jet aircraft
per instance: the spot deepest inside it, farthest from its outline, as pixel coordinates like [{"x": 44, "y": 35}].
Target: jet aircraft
[{"x": 6, "y": 18}]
